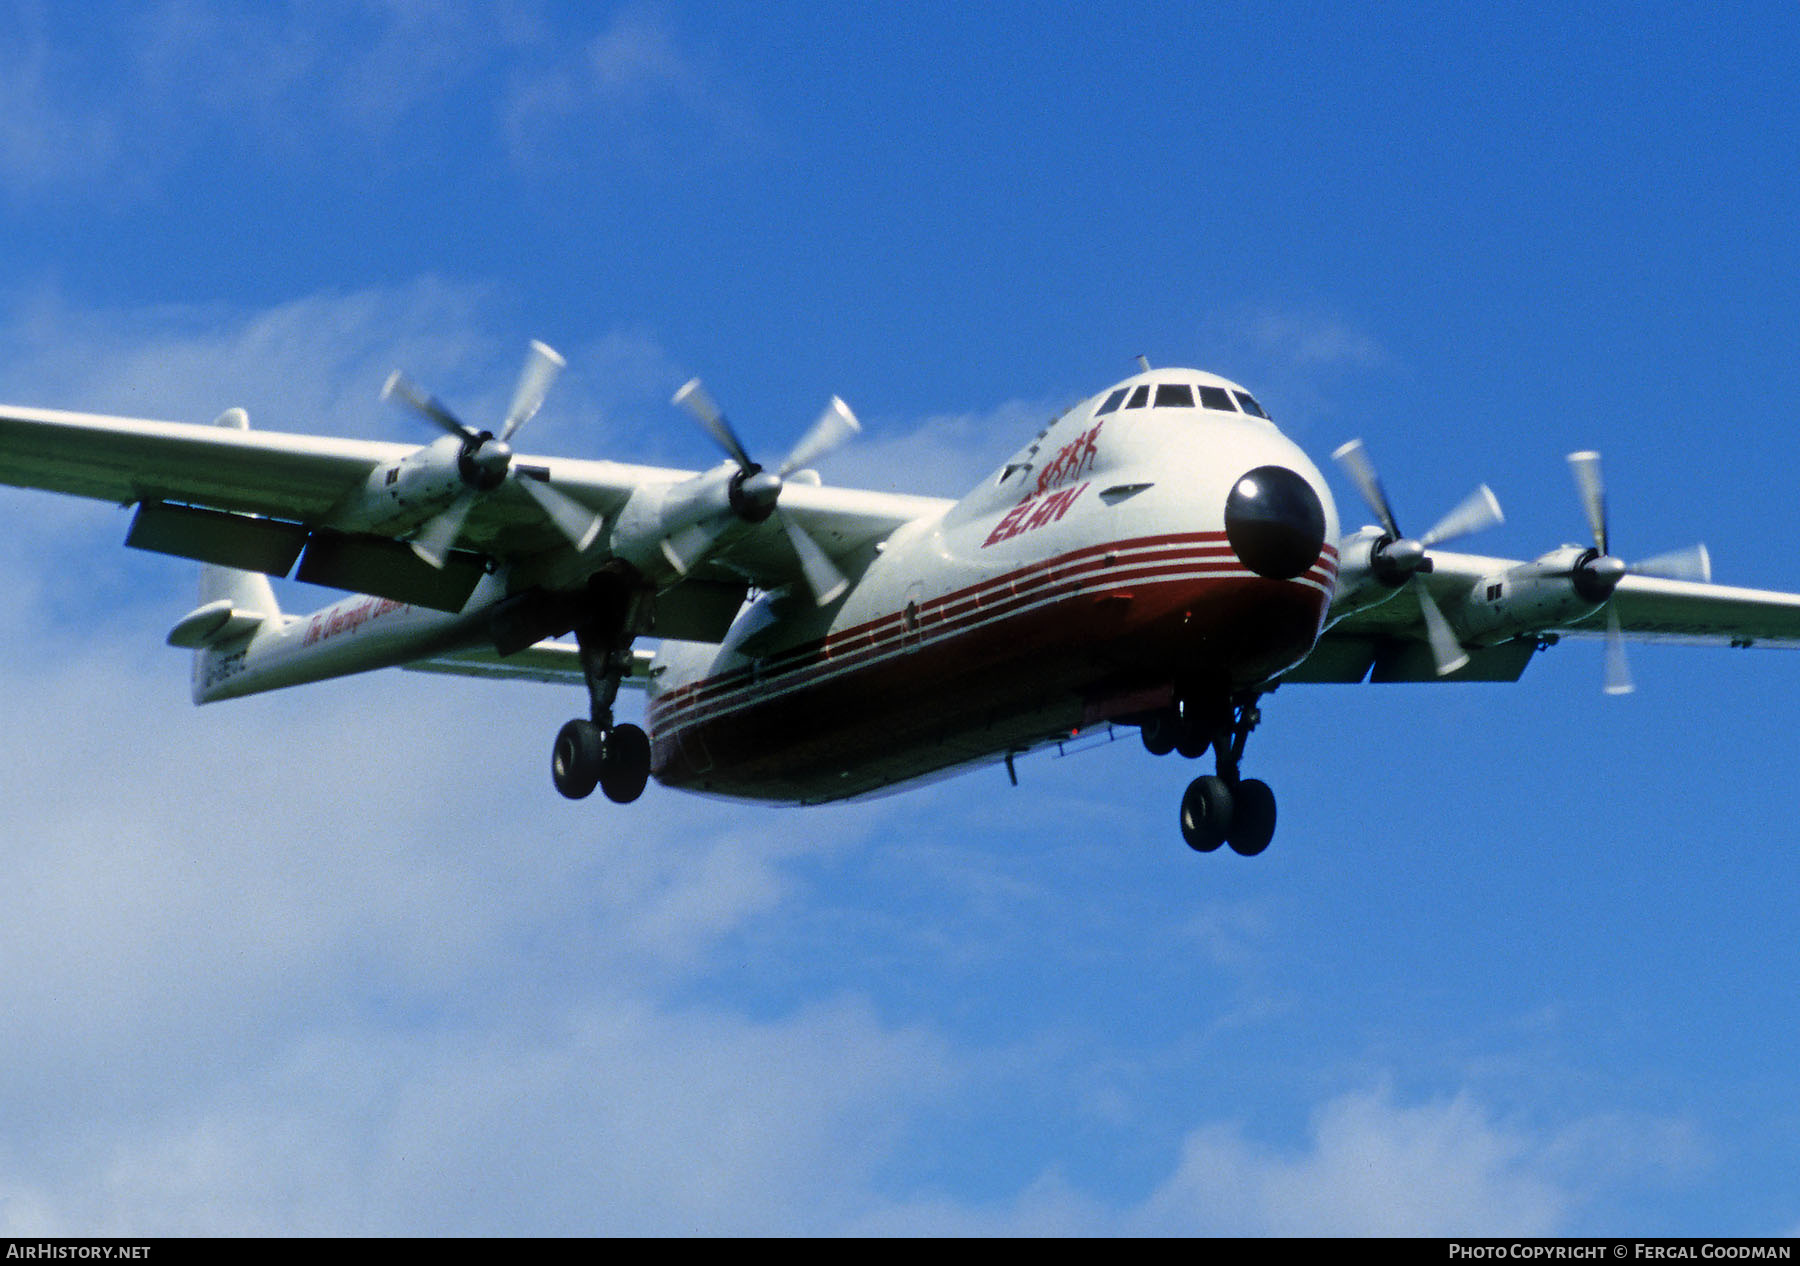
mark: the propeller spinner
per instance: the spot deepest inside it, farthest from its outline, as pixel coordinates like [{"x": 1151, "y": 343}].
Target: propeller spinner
[{"x": 485, "y": 459}]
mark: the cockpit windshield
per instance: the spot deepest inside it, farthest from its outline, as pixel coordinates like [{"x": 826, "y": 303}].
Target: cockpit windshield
[
  {"x": 1250, "y": 405},
  {"x": 1181, "y": 395}
]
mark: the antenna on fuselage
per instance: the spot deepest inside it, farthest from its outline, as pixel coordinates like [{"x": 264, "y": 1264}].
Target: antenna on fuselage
[{"x": 1143, "y": 362}]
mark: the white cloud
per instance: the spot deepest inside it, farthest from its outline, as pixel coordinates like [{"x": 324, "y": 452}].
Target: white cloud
[
  {"x": 610, "y": 1118},
  {"x": 1295, "y": 358},
  {"x": 636, "y": 91},
  {"x": 120, "y": 106},
  {"x": 1372, "y": 1168},
  {"x": 1313, "y": 341},
  {"x": 47, "y": 134},
  {"x": 943, "y": 455}
]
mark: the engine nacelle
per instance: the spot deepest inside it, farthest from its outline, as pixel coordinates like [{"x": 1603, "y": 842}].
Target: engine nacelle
[
  {"x": 1364, "y": 578},
  {"x": 1546, "y": 593},
  {"x": 401, "y": 495},
  {"x": 664, "y": 530}
]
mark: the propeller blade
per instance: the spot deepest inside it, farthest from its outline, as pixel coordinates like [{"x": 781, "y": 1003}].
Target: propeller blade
[
  {"x": 1354, "y": 459},
  {"x": 1693, "y": 563},
  {"x": 1586, "y": 469},
  {"x": 438, "y": 534},
  {"x": 822, "y": 575},
  {"x": 835, "y": 425},
  {"x": 694, "y": 398},
  {"x": 406, "y": 391},
  {"x": 1477, "y": 512},
  {"x": 542, "y": 365},
  {"x": 571, "y": 518},
  {"x": 1446, "y": 651},
  {"x": 1618, "y": 672},
  {"x": 686, "y": 548}
]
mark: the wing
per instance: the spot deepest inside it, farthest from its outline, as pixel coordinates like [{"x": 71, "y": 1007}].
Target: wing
[
  {"x": 1388, "y": 643},
  {"x": 263, "y": 500},
  {"x": 130, "y": 460},
  {"x": 1709, "y": 615},
  {"x": 547, "y": 661}
]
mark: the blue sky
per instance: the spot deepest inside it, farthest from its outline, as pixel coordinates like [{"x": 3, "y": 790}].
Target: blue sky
[{"x": 338, "y": 960}]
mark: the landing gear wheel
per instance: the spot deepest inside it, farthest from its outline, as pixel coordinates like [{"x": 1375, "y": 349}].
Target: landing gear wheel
[
  {"x": 1252, "y": 818},
  {"x": 575, "y": 761},
  {"x": 1159, "y": 732},
  {"x": 625, "y": 764},
  {"x": 1191, "y": 742},
  {"x": 1206, "y": 813},
  {"x": 1195, "y": 723}
]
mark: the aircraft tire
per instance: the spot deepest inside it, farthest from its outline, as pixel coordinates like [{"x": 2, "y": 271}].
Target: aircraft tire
[
  {"x": 625, "y": 766},
  {"x": 1252, "y": 818},
  {"x": 575, "y": 761},
  {"x": 1191, "y": 743},
  {"x": 1206, "y": 812},
  {"x": 1158, "y": 732}
]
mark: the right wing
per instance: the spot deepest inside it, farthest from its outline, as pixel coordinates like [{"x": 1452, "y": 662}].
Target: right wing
[{"x": 261, "y": 500}]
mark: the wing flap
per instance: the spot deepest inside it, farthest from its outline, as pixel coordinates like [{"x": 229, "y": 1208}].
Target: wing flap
[
  {"x": 1349, "y": 658},
  {"x": 389, "y": 569},
  {"x": 242, "y": 541}
]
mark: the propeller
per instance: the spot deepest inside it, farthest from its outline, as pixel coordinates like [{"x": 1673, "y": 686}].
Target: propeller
[
  {"x": 756, "y": 493},
  {"x": 485, "y": 459},
  {"x": 1597, "y": 573},
  {"x": 1400, "y": 560}
]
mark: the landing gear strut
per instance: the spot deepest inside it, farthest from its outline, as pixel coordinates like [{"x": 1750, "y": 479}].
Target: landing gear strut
[
  {"x": 1221, "y": 808},
  {"x": 596, "y": 752}
]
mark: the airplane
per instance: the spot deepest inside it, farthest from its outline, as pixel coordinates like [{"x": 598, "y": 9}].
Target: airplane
[{"x": 1159, "y": 556}]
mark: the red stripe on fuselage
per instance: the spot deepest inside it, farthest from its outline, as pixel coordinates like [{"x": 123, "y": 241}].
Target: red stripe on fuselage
[
  {"x": 985, "y": 669},
  {"x": 1120, "y": 563}
]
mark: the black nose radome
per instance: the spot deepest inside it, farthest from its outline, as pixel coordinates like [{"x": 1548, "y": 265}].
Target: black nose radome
[{"x": 1274, "y": 522}]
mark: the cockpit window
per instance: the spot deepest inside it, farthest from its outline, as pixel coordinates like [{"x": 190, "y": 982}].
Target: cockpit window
[
  {"x": 1139, "y": 397},
  {"x": 1250, "y": 406},
  {"x": 1216, "y": 398},
  {"x": 1174, "y": 395},
  {"x": 1112, "y": 401}
]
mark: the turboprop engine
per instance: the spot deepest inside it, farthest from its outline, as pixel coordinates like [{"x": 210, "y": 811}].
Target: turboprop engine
[
  {"x": 668, "y": 530},
  {"x": 432, "y": 490},
  {"x": 1571, "y": 583}
]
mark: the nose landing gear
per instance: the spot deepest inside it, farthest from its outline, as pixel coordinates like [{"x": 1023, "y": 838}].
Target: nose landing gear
[{"x": 1215, "y": 811}]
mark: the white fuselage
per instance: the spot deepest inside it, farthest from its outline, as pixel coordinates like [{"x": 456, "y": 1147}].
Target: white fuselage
[{"x": 1088, "y": 580}]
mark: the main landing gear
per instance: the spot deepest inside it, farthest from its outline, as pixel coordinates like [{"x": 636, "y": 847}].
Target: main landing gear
[
  {"x": 616, "y": 758},
  {"x": 1220, "y": 808}
]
